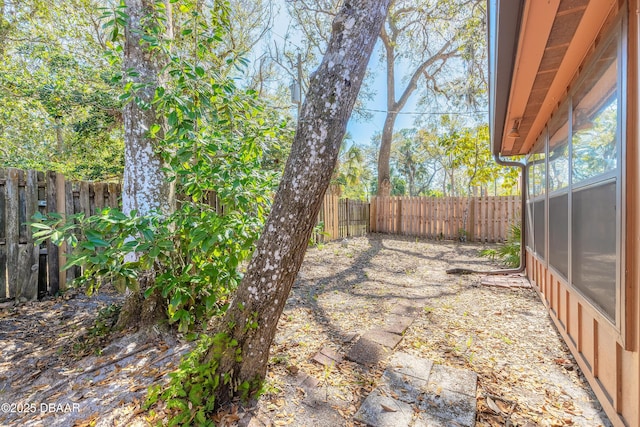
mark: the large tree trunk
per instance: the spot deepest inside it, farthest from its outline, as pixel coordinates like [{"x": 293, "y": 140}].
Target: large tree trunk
[
  {"x": 252, "y": 317},
  {"x": 145, "y": 187},
  {"x": 384, "y": 157}
]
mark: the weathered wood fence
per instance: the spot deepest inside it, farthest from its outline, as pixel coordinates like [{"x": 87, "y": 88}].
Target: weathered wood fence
[
  {"x": 340, "y": 218},
  {"x": 27, "y": 271},
  {"x": 476, "y": 219}
]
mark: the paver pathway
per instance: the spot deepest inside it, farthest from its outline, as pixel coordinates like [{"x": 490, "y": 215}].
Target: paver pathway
[
  {"x": 438, "y": 394},
  {"x": 413, "y": 391}
]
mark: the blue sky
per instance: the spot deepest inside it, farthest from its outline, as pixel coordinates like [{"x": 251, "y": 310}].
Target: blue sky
[{"x": 361, "y": 131}]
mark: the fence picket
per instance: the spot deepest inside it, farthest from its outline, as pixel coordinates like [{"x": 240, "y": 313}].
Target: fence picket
[
  {"x": 12, "y": 229},
  {"x": 26, "y": 270},
  {"x": 480, "y": 219}
]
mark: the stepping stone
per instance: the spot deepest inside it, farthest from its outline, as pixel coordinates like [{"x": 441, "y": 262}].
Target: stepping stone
[
  {"x": 350, "y": 337},
  {"x": 449, "y": 406},
  {"x": 306, "y": 381},
  {"x": 427, "y": 420},
  {"x": 386, "y": 339},
  {"x": 383, "y": 411},
  {"x": 456, "y": 380},
  {"x": 327, "y": 357},
  {"x": 402, "y": 387},
  {"x": 407, "y": 364},
  {"x": 397, "y": 324},
  {"x": 512, "y": 281},
  {"x": 406, "y": 309},
  {"x": 367, "y": 352}
]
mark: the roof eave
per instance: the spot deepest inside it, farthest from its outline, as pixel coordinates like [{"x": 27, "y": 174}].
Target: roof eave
[{"x": 504, "y": 18}]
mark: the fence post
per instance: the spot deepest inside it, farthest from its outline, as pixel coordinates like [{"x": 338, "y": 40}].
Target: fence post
[
  {"x": 3, "y": 236},
  {"x": 372, "y": 215},
  {"x": 53, "y": 261},
  {"x": 12, "y": 227},
  {"x": 347, "y": 214},
  {"x": 399, "y": 216}
]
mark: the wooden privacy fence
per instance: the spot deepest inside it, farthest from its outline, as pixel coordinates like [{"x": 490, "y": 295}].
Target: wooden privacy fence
[
  {"x": 341, "y": 218},
  {"x": 26, "y": 270},
  {"x": 476, "y": 219}
]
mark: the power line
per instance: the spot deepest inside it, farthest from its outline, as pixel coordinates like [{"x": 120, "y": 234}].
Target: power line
[
  {"x": 425, "y": 113},
  {"x": 270, "y": 30}
]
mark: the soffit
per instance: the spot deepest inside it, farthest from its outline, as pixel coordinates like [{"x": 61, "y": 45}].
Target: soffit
[{"x": 554, "y": 40}]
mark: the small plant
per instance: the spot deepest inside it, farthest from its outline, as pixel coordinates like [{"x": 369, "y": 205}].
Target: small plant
[
  {"x": 105, "y": 320},
  {"x": 509, "y": 252},
  {"x": 317, "y": 235}
]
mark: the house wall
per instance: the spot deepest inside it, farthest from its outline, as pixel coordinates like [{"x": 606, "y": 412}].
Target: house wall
[
  {"x": 605, "y": 348},
  {"x": 612, "y": 370}
]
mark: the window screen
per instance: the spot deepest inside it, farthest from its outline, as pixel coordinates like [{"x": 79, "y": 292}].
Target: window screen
[
  {"x": 538, "y": 226},
  {"x": 593, "y": 240},
  {"x": 558, "y": 173},
  {"x": 559, "y": 233}
]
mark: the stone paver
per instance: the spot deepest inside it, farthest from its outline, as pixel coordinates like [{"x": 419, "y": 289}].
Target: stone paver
[
  {"x": 509, "y": 281},
  {"x": 451, "y": 406},
  {"x": 387, "y": 339},
  {"x": 306, "y": 381},
  {"x": 411, "y": 365},
  {"x": 428, "y": 420},
  {"x": 367, "y": 352},
  {"x": 413, "y": 392},
  {"x": 438, "y": 395},
  {"x": 327, "y": 357},
  {"x": 402, "y": 387},
  {"x": 406, "y": 309},
  {"x": 397, "y": 324},
  {"x": 383, "y": 411},
  {"x": 458, "y": 380}
]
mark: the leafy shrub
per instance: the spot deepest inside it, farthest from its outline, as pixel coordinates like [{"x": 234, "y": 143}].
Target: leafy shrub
[{"x": 509, "y": 252}]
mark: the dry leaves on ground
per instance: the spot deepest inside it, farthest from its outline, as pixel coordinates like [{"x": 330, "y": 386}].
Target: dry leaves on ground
[{"x": 526, "y": 375}]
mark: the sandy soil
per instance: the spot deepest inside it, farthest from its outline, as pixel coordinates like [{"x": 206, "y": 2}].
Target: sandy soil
[{"x": 526, "y": 374}]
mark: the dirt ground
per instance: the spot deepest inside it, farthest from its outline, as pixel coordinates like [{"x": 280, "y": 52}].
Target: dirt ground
[{"x": 56, "y": 370}]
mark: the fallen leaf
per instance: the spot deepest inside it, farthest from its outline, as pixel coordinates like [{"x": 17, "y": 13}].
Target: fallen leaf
[
  {"x": 388, "y": 408},
  {"x": 492, "y": 405}
]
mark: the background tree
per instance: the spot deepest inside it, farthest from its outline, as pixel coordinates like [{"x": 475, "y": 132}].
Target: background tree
[
  {"x": 411, "y": 161},
  {"x": 351, "y": 173},
  {"x": 433, "y": 52},
  {"x": 470, "y": 163},
  {"x": 431, "y": 48},
  {"x": 59, "y": 108}
]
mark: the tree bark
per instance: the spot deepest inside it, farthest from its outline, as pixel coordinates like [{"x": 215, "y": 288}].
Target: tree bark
[
  {"x": 384, "y": 157},
  {"x": 144, "y": 187},
  {"x": 253, "y": 315}
]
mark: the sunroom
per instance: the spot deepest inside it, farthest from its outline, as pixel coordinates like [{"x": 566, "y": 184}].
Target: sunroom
[{"x": 563, "y": 97}]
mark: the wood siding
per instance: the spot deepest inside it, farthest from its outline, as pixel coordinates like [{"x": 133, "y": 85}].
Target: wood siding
[{"x": 597, "y": 345}]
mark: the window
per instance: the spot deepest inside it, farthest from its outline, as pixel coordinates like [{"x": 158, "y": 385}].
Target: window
[
  {"x": 577, "y": 184},
  {"x": 594, "y": 143},
  {"x": 558, "y": 175},
  {"x": 595, "y": 119},
  {"x": 593, "y": 239},
  {"x": 559, "y": 150},
  {"x": 538, "y": 189}
]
